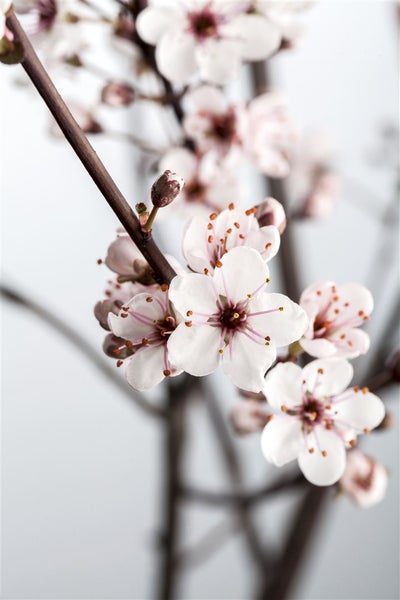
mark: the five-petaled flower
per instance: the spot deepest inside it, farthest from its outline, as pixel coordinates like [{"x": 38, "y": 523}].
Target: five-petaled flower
[
  {"x": 146, "y": 323},
  {"x": 211, "y": 37},
  {"x": 335, "y": 312},
  {"x": 318, "y": 417},
  {"x": 206, "y": 241},
  {"x": 229, "y": 318}
]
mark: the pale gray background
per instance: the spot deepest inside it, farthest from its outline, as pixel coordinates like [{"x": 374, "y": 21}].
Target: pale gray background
[{"x": 81, "y": 467}]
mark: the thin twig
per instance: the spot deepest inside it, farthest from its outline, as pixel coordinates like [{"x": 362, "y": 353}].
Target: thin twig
[
  {"x": 75, "y": 338},
  {"x": 87, "y": 155}
]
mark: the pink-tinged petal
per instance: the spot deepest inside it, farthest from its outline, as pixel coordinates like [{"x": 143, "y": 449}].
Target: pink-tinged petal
[
  {"x": 193, "y": 292},
  {"x": 153, "y": 22},
  {"x": 259, "y": 36},
  {"x": 243, "y": 271},
  {"x": 354, "y": 343},
  {"x": 146, "y": 368},
  {"x": 206, "y": 98},
  {"x": 364, "y": 480},
  {"x": 179, "y": 160},
  {"x": 360, "y": 300},
  {"x": 283, "y": 386},
  {"x": 266, "y": 240},
  {"x": 195, "y": 349},
  {"x": 359, "y": 411},
  {"x": 317, "y": 468},
  {"x": 281, "y": 440},
  {"x": 219, "y": 60},
  {"x": 282, "y": 326},
  {"x": 246, "y": 362},
  {"x": 175, "y": 56},
  {"x": 327, "y": 377},
  {"x": 121, "y": 254},
  {"x": 320, "y": 348},
  {"x": 195, "y": 245}
]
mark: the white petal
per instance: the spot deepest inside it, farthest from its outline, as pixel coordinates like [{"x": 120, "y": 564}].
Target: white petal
[
  {"x": 335, "y": 377},
  {"x": 195, "y": 245},
  {"x": 195, "y": 349},
  {"x": 219, "y": 60},
  {"x": 283, "y": 386},
  {"x": 181, "y": 161},
  {"x": 175, "y": 56},
  {"x": 259, "y": 36},
  {"x": 247, "y": 362},
  {"x": 355, "y": 343},
  {"x": 243, "y": 271},
  {"x": 121, "y": 254},
  {"x": 131, "y": 328},
  {"x": 360, "y": 411},
  {"x": 281, "y": 440},
  {"x": 153, "y": 22},
  {"x": 319, "y": 347},
  {"x": 282, "y": 326},
  {"x": 319, "y": 469},
  {"x": 359, "y": 299},
  {"x": 266, "y": 240},
  {"x": 206, "y": 98},
  {"x": 193, "y": 292},
  {"x": 145, "y": 368}
]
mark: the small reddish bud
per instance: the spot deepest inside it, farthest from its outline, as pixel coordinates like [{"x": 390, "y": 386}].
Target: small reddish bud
[{"x": 166, "y": 188}]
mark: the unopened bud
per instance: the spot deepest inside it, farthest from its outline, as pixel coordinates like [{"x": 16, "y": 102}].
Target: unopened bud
[
  {"x": 117, "y": 94},
  {"x": 166, "y": 188},
  {"x": 142, "y": 212},
  {"x": 271, "y": 212},
  {"x": 248, "y": 416},
  {"x": 102, "y": 309}
]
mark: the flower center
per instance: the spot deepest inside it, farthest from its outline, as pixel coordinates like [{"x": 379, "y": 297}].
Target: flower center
[
  {"x": 232, "y": 317},
  {"x": 224, "y": 126},
  {"x": 203, "y": 24},
  {"x": 312, "y": 412},
  {"x": 164, "y": 327}
]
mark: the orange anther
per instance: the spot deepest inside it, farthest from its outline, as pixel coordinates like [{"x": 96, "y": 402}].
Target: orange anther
[
  {"x": 188, "y": 323},
  {"x": 189, "y": 313},
  {"x": 213, "y": 216},
  {"x": 231, "y": 206},
  {"x": 167, "y": 372}
]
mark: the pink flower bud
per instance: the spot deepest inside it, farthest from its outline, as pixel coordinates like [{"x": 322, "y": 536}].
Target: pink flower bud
[
  {"x": 117, "y": 94},
  {"x": 364, "y": 480},
  {"x": 248, "y": 416},
  {"x": 102, "y": 310},
  {"x": 271, "y": 212},
  {"x": 166, "y": 188}
]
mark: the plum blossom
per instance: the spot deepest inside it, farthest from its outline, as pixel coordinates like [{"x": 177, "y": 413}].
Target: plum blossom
[
  {"x": 364, "y": 480},
  {"x": 262, "y": 131},
  {"x": 230, "y": 319},
  {"x": 146, "y": 323},
  {"x": 211, "y": 37},
  {"x": 318, "y": 417},
  {"x": 206, "y": 241},
  {"x": 335, "y": 313},
  {"x": 248, "y": 416},
  {"x": 209, "y": 183},
  {"x": 4, "y": 8}
]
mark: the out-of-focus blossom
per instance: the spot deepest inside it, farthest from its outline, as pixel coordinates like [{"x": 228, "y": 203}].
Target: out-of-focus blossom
[
  {"x": 318, "y": 417},
  {"x": 248, "y": 416},
  {"x": 83, "y": 116},
  {"x": 262, "y": 131},
  {"x": 209, "y": 183},
  {"x": 209, "y": 37},
  {"x": 335, "y": 312},
  {"x": 364, "y": 480},
  {"x": 117, "y": 94},
  {"x": 4, "y": 8},
  {"x": 206, "y": 241},
  {"x": 166, "y": 188},
  {"x": 284, "y": 14},
  {"x": 271, "y": 212},
  {"x": 146, "y": 323},
  {"x": 229, "y": 319}
]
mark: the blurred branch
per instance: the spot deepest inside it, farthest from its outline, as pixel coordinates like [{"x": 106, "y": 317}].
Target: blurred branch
[
  {"x": 77, "y": 340},
  {"x": 87, "y": 155}
]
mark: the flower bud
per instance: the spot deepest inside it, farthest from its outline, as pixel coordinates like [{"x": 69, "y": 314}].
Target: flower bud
[
  {"x": 271, "y": 212},
  {"x": 102, "y": 310},
  {"x": 166, "y": 188},
  {"x": 117, "y": 94},
  {"x": 248, "y": 416},
  {"x": 364, "y": 479}
]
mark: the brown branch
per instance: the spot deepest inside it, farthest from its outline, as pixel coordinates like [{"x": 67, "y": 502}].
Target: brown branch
[{"x": 87, "y": 155}]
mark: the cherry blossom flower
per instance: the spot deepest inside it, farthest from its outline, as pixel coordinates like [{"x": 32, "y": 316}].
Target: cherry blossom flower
[
  {"x": 335, "y": 312},
  {"x": 4, "y": 8},
  {"x": 206, "y": 241},
  {"x": 248, "y": 416},
  {"x": 209, "y": 183},
  {"x": 146, "y": 323},
  {"x": 211, "y": 37},
  {"x": 364, "y": 480},
  {"x": 318, "y": 417},
  {"x": 229, "y": 319},
  {"x": 262, "y": 130}
]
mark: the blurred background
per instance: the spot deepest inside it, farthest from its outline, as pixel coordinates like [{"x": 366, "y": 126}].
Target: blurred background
[{"x": 81, "y": 465}]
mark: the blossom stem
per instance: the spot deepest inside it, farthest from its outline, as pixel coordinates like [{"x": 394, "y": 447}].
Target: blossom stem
[{"x": 87, "y": 155}]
